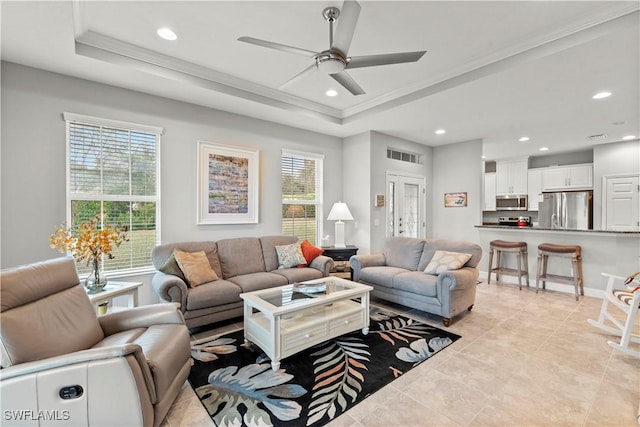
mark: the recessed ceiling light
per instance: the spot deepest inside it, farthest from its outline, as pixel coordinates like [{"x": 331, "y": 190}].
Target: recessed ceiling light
[
  {"x": 484, "y": 157},
  {"x": 441, "y": 132},
  {"x": 167, "y": 34},
  {"x": 524, "y": 139},
  {"x": 331, "y": 92},
  {"x": 544, "y": 148},
  {"x": 628, "y": 137},
  {"x": 600, "y": 95}
]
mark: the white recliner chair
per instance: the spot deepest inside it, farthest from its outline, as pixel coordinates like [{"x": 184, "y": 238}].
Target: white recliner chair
[{"x": 63, "y": 365}]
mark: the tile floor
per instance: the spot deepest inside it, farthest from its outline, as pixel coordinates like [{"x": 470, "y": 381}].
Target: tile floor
[{"x": 524, "y": 359}]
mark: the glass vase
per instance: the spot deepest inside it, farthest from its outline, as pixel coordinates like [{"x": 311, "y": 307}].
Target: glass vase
[{"x": 96, "y": 281}]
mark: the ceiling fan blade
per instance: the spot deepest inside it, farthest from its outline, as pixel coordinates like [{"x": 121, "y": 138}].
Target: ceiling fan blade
[
  {"x": 346, "y": 26},
  {"x": 297, "y": 76},
  {"x": 349, "y": 84},
  {"x": 384, "y": 59},
  {"x": 278, "y": 46}
]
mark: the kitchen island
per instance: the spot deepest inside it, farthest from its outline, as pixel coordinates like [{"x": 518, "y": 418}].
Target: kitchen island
[{"x": 614, "y": 252}]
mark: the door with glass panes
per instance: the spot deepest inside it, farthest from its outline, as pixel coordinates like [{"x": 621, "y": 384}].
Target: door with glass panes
[{"x": 406, "y": 205}]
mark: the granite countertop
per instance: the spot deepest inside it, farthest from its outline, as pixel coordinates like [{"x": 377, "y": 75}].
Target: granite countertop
[{"x": 516, "y": 228}]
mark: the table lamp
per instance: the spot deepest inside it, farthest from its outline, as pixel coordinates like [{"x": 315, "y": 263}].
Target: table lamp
[{"x": 340, "y": 212}]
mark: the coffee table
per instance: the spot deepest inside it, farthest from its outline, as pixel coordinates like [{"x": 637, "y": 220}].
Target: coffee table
[{"x": 285, "y": 320}]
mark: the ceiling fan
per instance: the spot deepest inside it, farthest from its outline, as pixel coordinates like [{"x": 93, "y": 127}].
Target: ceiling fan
[{"x": 334, "y": 61}]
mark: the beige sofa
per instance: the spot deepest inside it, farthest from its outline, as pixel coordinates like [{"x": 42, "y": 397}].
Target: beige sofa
[
  {"x": 397, "y": 274},
  {"x": 242, "y": 264}
]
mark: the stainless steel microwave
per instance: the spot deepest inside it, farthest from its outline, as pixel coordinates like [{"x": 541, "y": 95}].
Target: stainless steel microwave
[{"x": 515, "y": 202}]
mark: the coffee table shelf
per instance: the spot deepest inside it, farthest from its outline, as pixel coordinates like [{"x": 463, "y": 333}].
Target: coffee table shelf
[{"x": 282, "y": 326}]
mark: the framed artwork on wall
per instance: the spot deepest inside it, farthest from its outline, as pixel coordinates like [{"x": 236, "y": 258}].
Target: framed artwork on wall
[
  {"x": 227, "y": 184},
  {"x": 455, "y": 200}
]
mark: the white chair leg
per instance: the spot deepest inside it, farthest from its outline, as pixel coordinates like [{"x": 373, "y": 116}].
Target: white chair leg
[{"x": 623, "y": 330}]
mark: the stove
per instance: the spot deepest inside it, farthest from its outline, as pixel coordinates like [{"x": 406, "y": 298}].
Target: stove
[{"x": 515, "y": 221}]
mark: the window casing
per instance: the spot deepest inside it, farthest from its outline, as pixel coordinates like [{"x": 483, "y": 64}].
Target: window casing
[
  {"x": 301, "y": 175},
  {"x": 113, "y": 173}
]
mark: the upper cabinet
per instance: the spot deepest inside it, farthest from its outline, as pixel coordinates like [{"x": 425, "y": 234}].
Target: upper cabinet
[
  {"x": 574, "y": 177},
  {"x": 511, "y": 177},
  {"x": 489, "y": 192},
  {"x": 534, "y": 184}
]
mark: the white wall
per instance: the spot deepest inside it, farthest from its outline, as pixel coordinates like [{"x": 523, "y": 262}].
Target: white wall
[
  {"x": 457, "y": 168},
  {"x": 33, "y": 159},
  {"x": 609, "y": 160}
]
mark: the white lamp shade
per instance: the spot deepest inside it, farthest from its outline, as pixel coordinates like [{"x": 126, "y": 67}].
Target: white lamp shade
[{"x": 340, "y": 212}]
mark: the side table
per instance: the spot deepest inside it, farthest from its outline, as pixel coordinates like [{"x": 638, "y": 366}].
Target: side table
[
  {"x": 341, "y": 257},
  {"x": 115, "y": 289}
]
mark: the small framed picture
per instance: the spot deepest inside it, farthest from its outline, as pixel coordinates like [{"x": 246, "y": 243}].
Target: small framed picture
[{"x": 455, "y": 200}]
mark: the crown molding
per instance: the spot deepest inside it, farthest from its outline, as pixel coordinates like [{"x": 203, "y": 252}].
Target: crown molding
[
  {"x": 554, "y": 40},
  {"x": 109, "y": 49}
]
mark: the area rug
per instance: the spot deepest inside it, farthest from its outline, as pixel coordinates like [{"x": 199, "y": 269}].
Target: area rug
[{"x": 237, "y": 386}]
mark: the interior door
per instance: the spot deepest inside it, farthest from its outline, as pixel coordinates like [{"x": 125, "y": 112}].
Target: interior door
[
  {"x": 621, "y": 203},
  {"x": 406, "y": 207}
]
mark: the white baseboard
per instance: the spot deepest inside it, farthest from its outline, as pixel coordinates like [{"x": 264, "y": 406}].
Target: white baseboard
[{"x": 550, "y": 286}]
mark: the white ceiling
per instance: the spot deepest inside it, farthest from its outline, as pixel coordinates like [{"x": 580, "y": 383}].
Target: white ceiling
[{"x": 494, "y": 71}]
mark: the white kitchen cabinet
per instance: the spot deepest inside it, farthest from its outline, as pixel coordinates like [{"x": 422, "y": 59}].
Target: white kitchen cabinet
[
  {"x": 534, "y": 185},
  {"x": 574, "y": 177},
  {"x": 511, "y": 177},
  {"x": 489, "y": 192}
]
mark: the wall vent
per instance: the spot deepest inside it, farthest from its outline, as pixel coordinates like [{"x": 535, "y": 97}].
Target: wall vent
[
  {"x": 403, "y": 156},
  {"x": 598, "y": 137}
]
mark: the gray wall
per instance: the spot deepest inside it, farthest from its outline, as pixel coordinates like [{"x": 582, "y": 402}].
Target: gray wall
[
  {"x": 365, "y": 167},
  {"x": 357, "y": 184},
  {"x": 457, "y": 168},
  {"x": 33, "y": 159}
]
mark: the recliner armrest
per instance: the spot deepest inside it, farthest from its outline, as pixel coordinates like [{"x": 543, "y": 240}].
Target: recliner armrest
[
  {"x": 81, "y": 356},
  {"x": 141, "y": 317}
]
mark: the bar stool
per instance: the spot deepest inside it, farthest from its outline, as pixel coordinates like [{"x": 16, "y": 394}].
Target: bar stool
[
  {"x": 520, "y": 249},
  {"x": 565, "y": 251}
]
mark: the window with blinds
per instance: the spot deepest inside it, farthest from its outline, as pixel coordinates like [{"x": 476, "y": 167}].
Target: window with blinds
[
  {"x": 302, "y": 195},
  {"x": 113, "y": 175}
]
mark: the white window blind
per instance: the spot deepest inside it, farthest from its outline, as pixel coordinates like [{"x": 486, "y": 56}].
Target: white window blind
[
  {"x": 113, "y": 174},
  {"x": 302, "y": 195}
]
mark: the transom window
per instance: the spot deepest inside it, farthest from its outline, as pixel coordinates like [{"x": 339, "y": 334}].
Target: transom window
[
  {"x": 302, "y": 195},
  {"x": 113, "y": 174}
]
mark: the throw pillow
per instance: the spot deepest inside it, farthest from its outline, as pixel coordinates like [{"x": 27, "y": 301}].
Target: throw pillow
[
  {"x": 196, "y": 267},
  {"x": 290, "y": 255},
  {"x": 444, "y": 261},
  {"x": 171, "y": 266},
  {"x": 309, "y": 251}
]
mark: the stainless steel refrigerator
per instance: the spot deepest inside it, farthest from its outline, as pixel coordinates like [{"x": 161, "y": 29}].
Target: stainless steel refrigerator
[{"x": 569, "y": 210}]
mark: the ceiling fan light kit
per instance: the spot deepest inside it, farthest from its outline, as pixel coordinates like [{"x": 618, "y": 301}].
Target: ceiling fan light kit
[{"x": 335, "y": 60}]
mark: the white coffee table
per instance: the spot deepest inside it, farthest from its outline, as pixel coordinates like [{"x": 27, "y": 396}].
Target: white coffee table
[{"x": 282, "y": 321}]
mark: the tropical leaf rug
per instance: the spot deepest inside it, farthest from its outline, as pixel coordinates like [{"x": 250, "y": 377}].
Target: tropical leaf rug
[{"x": 237, "y": 386}]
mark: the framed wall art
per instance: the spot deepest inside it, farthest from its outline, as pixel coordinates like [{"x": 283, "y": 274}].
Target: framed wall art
[
  {"x": 227, "y": 184},
  {"x": 455, "y": 200}
]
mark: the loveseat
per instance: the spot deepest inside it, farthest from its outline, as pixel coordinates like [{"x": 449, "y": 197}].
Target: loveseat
[
  {"x": 242, "y": 264},
  {"x": 398, "y": 274}
]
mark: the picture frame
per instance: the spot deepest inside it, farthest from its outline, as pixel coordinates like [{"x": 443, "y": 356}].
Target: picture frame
[
  {"x": 455, "y": 200},
  {"x": 227, "y": 184}
]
